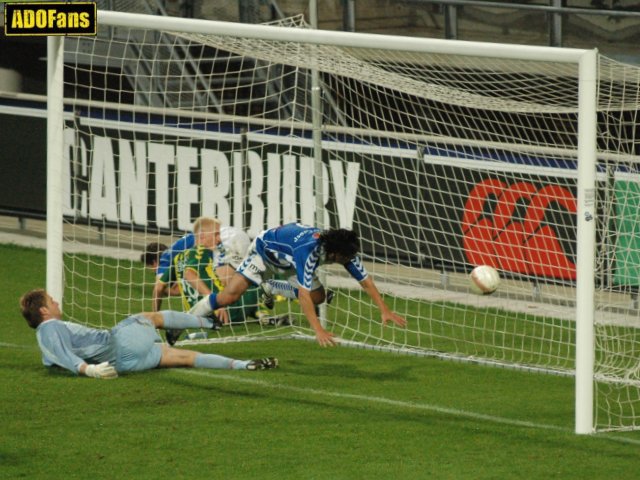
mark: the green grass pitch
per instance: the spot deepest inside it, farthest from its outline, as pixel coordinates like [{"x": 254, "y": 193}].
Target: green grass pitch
[{"x": 335, "y": 413}]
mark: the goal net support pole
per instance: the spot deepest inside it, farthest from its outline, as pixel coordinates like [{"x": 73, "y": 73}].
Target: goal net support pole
[
  {"x": 55, "y": 124},
  {"x": 318, "y": 173},
  {"x": 586, "y": 234}
]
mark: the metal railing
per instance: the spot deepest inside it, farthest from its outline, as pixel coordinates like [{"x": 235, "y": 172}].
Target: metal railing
[{"x": 556, "y": 13}]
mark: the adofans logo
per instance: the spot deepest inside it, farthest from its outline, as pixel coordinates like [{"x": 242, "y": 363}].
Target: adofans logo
[{"x": 50, "y": 18}]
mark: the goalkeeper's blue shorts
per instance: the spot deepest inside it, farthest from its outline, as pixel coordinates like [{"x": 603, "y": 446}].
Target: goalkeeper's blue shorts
[{"x": 137, "y": 344}]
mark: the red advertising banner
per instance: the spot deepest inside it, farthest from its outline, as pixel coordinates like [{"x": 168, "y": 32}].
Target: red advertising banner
[
  {"x": 525, "y": 245},
  {"x": 510, "y": 217}
]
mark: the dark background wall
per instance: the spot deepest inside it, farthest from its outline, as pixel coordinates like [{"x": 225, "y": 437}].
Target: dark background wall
[
  {"x": 23, "y": 173},
  {"x": 28, "y": 57}
]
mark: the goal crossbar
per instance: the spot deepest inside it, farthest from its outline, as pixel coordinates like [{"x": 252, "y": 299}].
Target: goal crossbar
[{"x": 350, "y": 39}]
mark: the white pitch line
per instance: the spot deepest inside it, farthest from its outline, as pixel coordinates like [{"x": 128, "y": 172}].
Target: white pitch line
[
  {"x": 13, "y": 345},
  {"x": 397, "y": 403},
  {"x": 371, "y": 399},
  {"x": 400, "y": 404}
]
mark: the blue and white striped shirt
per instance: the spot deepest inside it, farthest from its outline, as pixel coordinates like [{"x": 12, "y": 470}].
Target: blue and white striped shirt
[
  {"x": 166, "y": 258},
  {"x": 296, "y": 246}
]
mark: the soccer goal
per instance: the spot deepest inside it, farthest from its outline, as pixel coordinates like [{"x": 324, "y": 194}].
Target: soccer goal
[{"x": 443, "y": 155}]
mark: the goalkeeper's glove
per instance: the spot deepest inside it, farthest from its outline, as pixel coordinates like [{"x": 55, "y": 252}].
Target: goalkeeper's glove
[{"x": 101, "y": 370}]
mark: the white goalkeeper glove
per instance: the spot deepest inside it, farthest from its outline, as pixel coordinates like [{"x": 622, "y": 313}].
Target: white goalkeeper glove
[{"x": 101, "y": 370}]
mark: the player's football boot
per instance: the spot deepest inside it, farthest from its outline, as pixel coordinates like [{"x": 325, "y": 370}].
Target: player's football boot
[
  {"x": 280, "y": 321},
  {"x": 329, "y": 296},
  {"x": 172, "y": 335},
  {"x": 266, "y": 296},
  {"x": 262, "y": 363},
  {"x": 217, "y": 323}
]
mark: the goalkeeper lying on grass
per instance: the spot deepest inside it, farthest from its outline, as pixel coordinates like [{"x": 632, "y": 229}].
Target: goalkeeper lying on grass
[{"x": 132, "y": 345}]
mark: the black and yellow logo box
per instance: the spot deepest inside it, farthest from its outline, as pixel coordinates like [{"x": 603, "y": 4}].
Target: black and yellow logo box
[{"x": 50, "y": 18}]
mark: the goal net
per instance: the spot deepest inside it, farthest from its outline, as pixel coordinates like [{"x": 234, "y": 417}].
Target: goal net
[{"x": 441, "y": 162}]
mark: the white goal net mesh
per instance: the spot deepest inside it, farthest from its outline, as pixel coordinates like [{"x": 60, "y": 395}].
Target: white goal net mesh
[{"x": 440, "y": 162}]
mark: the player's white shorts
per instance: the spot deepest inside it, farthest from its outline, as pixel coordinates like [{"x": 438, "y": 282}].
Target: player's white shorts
[
  {"x": 254, "y": 269},
  {"x": 234, "y": 246}
]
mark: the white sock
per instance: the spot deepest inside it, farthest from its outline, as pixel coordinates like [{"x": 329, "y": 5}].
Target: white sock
[
  {"x": 282, "y": 287},
  {"x": 202, "y": 308}
]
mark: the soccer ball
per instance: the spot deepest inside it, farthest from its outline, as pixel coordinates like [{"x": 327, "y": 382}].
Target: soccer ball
[{"x": 484, "y": 279}]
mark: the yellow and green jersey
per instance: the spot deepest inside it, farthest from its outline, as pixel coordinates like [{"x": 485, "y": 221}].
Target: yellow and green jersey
[{"x": 201, "y": 260}]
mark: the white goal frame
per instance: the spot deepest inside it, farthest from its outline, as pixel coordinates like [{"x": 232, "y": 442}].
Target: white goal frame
[{"x": 586, "y": 152}]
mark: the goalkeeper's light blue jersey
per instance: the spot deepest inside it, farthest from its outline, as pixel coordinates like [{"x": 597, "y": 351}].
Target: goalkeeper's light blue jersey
[
  {"x": 297, "y": 246},
  {"x": 69, "y": 345}
]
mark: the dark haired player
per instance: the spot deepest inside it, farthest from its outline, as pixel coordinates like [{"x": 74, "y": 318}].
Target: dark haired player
[{"x": 296, "y": 251}]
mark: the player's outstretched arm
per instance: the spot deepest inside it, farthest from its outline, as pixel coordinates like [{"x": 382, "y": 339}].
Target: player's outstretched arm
[
  {"x": 160, "y": 290},
  {"x": 324, "y": 338},
  {"x": 387, "y": 315},
  {"x": 192, "y": 277}
]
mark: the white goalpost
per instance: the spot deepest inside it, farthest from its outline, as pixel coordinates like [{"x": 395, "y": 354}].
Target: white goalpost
[{"x": 443, "y": 155}]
